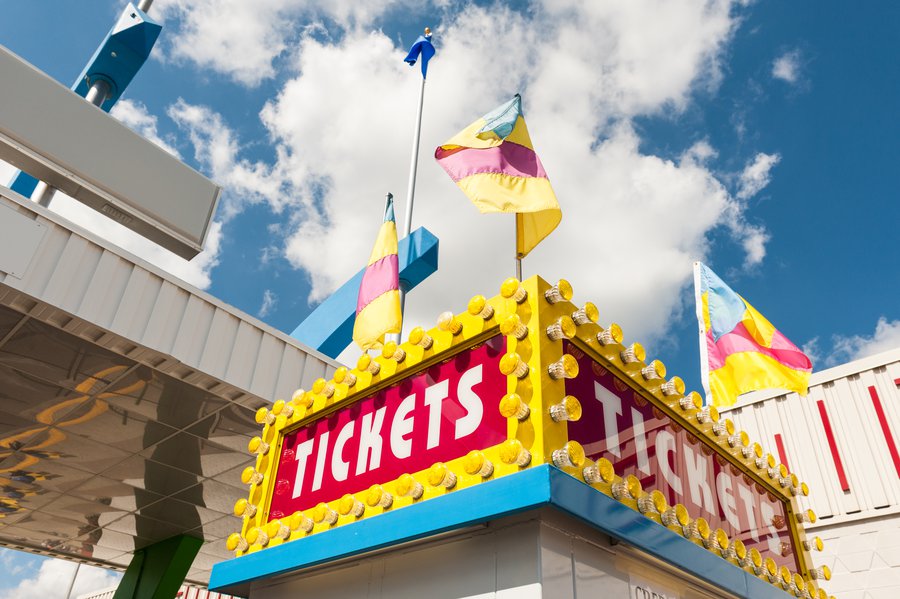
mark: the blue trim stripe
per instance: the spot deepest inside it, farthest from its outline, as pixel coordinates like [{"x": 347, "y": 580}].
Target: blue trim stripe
[{"x": 527, "y": 490}]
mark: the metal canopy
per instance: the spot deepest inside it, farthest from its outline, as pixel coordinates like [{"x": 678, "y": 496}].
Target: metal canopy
[{"x": 126, "y": 398}]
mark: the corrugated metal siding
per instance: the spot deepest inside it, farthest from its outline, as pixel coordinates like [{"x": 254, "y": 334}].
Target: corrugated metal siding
[
  {"x": 91, "y": 288},
  {"x": 861, "y": 442}
]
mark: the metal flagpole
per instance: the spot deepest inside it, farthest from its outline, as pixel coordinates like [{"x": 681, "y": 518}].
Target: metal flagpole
[
  {"x": 411, "y": 187},
  {"x": 72, "y": 583}
]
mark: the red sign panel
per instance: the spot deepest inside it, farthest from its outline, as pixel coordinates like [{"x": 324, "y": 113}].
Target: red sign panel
[
  {"x": 437, "y": 415},
  {"x": 623, "y": 427}
]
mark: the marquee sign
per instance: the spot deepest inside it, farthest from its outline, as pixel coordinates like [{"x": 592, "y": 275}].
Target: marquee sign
[{"x": 523, "y": 379}]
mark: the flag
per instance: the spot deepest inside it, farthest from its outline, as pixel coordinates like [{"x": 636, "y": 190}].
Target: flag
[
  {"x": 740, "y": 350},
  {"x": 493, "y": 162},
  {"x": 378, "y": 303},
  {"x": 423, "y": 48}
]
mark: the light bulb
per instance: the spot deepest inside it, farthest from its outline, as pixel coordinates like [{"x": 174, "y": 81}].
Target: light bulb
[
  {"x": 323, "y": 513},
  {"x": 475, "y": 463},
  {"x": 513, "y": 452},
  {"x": 249, "y": 476},
  {"x": 587, "y": 313},
  {"x": 298, "y": 521},
  {"x": 512, "y": 326},
  {"x": 633, "y": 353},
  {"x": 376, "y": 496},
  {"x": 601, "y": 472},
  {"x": 723, "y": 427},
  {"x": 512, "y": 364},
  {"x": 258, "y": 446},
  {"x": 349, "y": 504},
  {"x": 265, "y": 417},
  {"x": 815, "y": 545},
  {"x": 280, "y": 408},
  {"x": 367, "y": 364},
  {"x": 611, "y": 335},
  {"x": 674, "y": 386},
  {"x": 235, "y": 542},
  {"x": 653, "y": 371},
  {"x": 740, "y": 439},
  {"x": 512, "y": 406},
  {"x": 568, "y": 409},
  {"x": 344, "y": 376},
  {"x": 447, "y": 322},
  {"x": 563, "y": 328},
  {"x": 478, "y": 306},
  {"x": 276, "y": 529},
  {"x": 629, "y": 487},
  {"x": 419, "y": 337},
  {"x": 257, "y": 536},
  {"x": 406, "y": 485},
  {"x": 301, "y": 398},
  {"x": 322, "y": 387},
  {"x": 392, "y": 351},
  {"x": 807, "y": 517},
  {"x": 564, "y": 368},
  {"x": 691, "y": 401},
  {"x": 571, "y": 455},
  {"x": 441, "y": 476},
  {"x": 513, "y": 289},
  {"x": 242, "y": 507},
  {"x": 562, "y": 291}
]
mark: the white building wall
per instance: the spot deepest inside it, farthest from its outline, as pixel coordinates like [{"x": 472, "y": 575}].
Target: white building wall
[{"x": 853, "y": 476}]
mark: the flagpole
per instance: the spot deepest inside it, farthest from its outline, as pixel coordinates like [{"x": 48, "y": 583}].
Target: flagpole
[
  {"x": 411, "y": 187},
  {"x": 518, "y": 257}
]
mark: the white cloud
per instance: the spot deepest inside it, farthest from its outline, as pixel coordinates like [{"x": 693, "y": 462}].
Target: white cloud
[
  {"x": 136, "y": 117},
  {"x": 886, "y": 337},
  {"x": 242, "y": 39},
  {"x": 756, "y": 175},
  {"x": 268, "y": 302},
  {"x": 632, "y": 222},
  {"x": 787, "y": 67},
  {"x": 52, "y": 581}
]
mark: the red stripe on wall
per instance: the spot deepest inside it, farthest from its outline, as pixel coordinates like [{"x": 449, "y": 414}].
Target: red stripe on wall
[
  {"x": 888, "y": 436},
  {"x": 782, "y": 454},
  {"x": 838, "y": 465}
]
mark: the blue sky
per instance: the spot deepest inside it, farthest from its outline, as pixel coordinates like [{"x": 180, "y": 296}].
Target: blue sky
[{"x": 757, "y": 136}]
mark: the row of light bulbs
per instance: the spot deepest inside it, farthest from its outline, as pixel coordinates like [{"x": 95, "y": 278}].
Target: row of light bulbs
[{"x": 513, "y": 452}]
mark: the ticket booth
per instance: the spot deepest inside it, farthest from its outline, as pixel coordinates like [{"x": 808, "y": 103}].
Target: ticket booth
[{"x": 519, "y": 449}]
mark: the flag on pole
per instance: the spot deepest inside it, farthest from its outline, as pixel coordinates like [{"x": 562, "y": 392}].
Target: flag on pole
[
  {"x": 378, "y": 304},
  {"x": 741, "y": 351},
  {"x": 421, "y": 48},
  {"x": 493, "y": 162}
]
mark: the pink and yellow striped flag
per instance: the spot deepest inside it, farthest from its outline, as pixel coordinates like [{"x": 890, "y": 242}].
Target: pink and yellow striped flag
[
  {"x": 741, "y": 351},
  {"x": 378, "y": 304},
  {"x": 493, "y": 162}
]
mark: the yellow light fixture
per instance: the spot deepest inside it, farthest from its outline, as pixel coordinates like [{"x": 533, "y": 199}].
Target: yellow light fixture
[
  {"x": 512, "y": 406},
  {"x": 676, "y": 516},
  {"x": 723, "y": 427},
  {"x": 376, "y": 496},
  {"x": 785, "y": 576},
  {"x": 633, "y": 354},
  {"x": 653, "y": 371},
  {"x": 242, "y": 507},
  {"x": 807, "y": 517},
  {"x": 563, "y": 328},
  {"x": 249, "y": 476},
  {"x": 740, "y": 439},
  {"x": 627, "y": 488},
  {"x": 235, "y": 542},
  {"x": 323, "y": 513},
  {"x": 771, "y": 569},
  {"x": 560, "y": 292},
  {"x": 571, "y": 455},
  {"x": 349, "y": 504},
  {"x": 475, "y": 463},
  {"x": 478, "y": 306},
  {"x": 439, "y": 475},
  {"x": 282, "y": 408},
  {"x": 419, "y": 337},
  {"x": 512, "y": 326},
  {"x": 298, "y": 521},
  {"x": 367, "y": 364},
  {"x": 674, "y": 386},
  {"x": 600, "y": 472},
  {"x": 258, "y": 446},
  {"x": 564, "y": 368},
  {"x": 407, "y": 486},
  {"x": 569, "y": 409},
  {"x": 587, "y": 313},
  {"x": 265, "y": 417},
  {"x": 513, "y": 289},
  {"x": 392, "y": 351},
  {"x": 738, "y": 551},
  {"x": 513, "y": 365},
  {"x": 611, "y": 335},
  {"x": 447, "y": 322},
  {"x": 756, "y": 561},
  {"x": 344, "y": 376},
  {"x": 276, "y": 529},
  {"x": 302, "y": 399},
  {"x": 691, "y": 401},
  {"x": 513, "y": 452},
  {"x": 322, "y": 387},
  {"x": 257, "y": 536},
  {"x": 815, "y": 545}
]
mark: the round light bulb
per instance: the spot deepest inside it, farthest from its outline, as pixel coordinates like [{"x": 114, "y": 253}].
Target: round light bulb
[
  {"x": 478, "y": 306},
  {"x": 367, "y": 364},
  {"x": 513, "y": 365},
  {"x": 571, "y": 455},
  {"x": 447, "y": 322},
  {"x": 564, "y": 368},
  {"x": 612, "y": 335},
  {"x": 475, "y": 463},
  {"x": 587, "y": 313},
  {"x": 512, "y": 326},
  {"x": 600, "y": 472},
  {"x": 568, "y": 409},
  {"x": 512, "y": 406},
  {"x": 562, "y": 291},
  {"x": 513, "y": 289},
  {"x": 406, "y": 485},
  {"x": 513, "y": 452},
  {"x": 441, "y": 476},
  {"x": 419, "y": 337}
]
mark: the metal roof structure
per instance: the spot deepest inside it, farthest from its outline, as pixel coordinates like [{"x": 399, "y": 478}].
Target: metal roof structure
[{"x": 127, "y": 396}]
